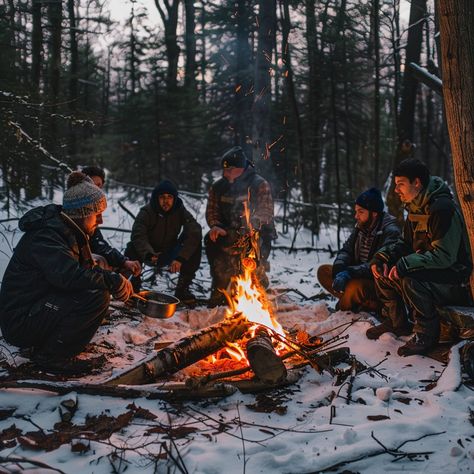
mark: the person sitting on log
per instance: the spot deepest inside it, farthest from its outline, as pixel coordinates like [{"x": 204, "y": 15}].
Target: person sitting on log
[
  {"x": 165, "y": 234},
  {"x": 53, "y": 298},
  {"x": 349, "y": 278},
  {"x": 429, "y": 265},
  {"x": 240, "y": 187},
  {"x": 103, "y": 253}
]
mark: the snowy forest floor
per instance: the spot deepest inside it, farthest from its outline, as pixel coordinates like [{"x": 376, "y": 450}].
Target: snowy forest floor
[{"x": 407, "y": 415}]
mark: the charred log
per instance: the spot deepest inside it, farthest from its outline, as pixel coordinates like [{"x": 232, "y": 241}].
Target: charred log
[
  {"x": 183, "y": 353},
  {"x": 263, "y": 359}
]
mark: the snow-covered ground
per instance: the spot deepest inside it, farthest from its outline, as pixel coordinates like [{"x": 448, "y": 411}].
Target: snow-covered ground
[{"x": 405, "y": 415}]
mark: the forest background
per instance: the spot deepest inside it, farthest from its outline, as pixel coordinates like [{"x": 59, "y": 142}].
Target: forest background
[{"x": 319, "y": 93}]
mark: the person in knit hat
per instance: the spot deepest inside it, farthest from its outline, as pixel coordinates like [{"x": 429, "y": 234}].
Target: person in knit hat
[
  {"x": 166, "y": 235},
  {"x": 53, "y": 297},
  {"x": 240, "y": 189},
  {"x": 103, "y": 253},
  {"x": 349, "y": 278}
]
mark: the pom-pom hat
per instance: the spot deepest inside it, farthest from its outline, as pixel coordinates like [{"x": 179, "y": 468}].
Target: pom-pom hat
[{"x": 82, "y": 197}]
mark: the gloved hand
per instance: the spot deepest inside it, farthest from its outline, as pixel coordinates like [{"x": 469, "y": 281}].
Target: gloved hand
[
  {"x": 124, "y": 290},
  {"x": 151, "y": 259},
  {"x": 340, "y": 281}
]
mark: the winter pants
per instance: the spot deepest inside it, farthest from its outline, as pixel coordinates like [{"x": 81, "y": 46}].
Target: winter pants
[
  {"x": 188, "y": 267},
  {"x": 420, "y": 297},
  {"x": 224, "y": 263},
  {"x": 359, "y": 294},
  {"x": 60, "y": 324}
]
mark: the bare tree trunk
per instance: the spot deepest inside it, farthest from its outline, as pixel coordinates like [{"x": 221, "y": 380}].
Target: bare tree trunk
[
  {"x": 170, "y": 21},
  {"x": 261, "y": 130},
  {"x": 457, "y": 46},
  {"x": 376, "y": 38},
  {"x": 314, "y": 93},
  {"x": 244, "y": 78},
  {"x": 286, "y": 53},
  {"x": 406, "y": 120},
  {"x": 190, "y": 40},
  {"x": 36, "y": 48},
  {"x": 73, "y": 78}
]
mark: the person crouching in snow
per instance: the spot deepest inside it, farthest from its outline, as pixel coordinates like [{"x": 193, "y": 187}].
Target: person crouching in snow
[
  {"x": 53, "y": 298},
  {"x": 165, "y": 234},
  {"x": 429, "y": 265},
  {"x": 350, "y": 279}
]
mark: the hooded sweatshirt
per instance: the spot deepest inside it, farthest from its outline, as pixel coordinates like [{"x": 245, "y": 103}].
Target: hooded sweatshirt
[
  {"x": 434, "y": 238},
  {"x": 155, "y": 231}
]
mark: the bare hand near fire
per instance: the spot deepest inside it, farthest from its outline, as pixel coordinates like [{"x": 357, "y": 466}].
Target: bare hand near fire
[
  {"x": 393, "y": 275},
  {"x": 216, "y": 232},
  {"x": 133, "y": 266},
  {"x": 377, "y": 274},
  {"x": 175, "y": 266}
]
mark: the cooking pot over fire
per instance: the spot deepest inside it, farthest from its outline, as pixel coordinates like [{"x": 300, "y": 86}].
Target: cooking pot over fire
[{"x": 156, "y": 305}]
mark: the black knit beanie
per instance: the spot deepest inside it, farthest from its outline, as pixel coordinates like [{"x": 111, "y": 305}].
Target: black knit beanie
[{"x": 371, "y": 200}]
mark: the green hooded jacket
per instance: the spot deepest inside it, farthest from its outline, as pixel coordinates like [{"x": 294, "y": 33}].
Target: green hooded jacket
[{"x": 434, "y": 238}]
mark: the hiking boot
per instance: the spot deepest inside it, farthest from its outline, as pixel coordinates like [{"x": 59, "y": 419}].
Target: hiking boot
[
  {"x": 418, "y": 344},
  {"x": 185, "y": 296},
  {"x": 387, "y": 326},
  {"x": 217, "y": 299},
  {"x": 69, "y": 365}
]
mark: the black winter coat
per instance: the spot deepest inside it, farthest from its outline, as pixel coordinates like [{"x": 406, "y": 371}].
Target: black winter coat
[
  {"x": 384, "y": 233},
  {"x": 52, "y": 256},
  {"x": 155, "y": 231},
  {"x": 101, "y": 247}
]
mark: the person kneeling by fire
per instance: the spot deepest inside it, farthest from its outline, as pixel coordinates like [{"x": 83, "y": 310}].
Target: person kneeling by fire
[
  {"x": 53, "y": 297},
  {"x": 240, "y": 217}
]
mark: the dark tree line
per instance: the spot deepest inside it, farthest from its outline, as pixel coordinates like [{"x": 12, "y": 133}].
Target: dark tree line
[{"x": 319, "y": 92}]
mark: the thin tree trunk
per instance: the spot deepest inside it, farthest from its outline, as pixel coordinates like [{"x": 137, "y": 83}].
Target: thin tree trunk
[
  {"x": 73, "y": 78},
  {"x": 244, "y": 78},
  {"x": 376, "y": 36},
  {"x": 170, "y": 22},
  {"x": 36, "y": 49},
  {"x": 190, "y": 40},
  {"x": 457, "y": 46},
  {"x": 410, "y": 86},
  {"x": 286, "y": 53},
  {"x": 314, "y": 94},
  {"x": 261, "y": 131}
]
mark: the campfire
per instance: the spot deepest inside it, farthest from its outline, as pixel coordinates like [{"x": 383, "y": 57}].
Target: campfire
[{"x": 248, "y": 345}]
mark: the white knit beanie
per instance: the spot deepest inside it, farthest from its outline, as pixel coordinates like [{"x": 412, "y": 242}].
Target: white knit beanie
[{"x": 82, "y": 197}]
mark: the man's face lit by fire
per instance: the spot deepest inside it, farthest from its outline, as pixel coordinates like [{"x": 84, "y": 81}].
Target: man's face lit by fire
[
  {"x": 90, "y": 223},
  {"x": 407, "y": 190},
  {"x": 166, "y": 201},
  {"x": 98, "y": 181},
  {"x": 232, "y": 173},
  {"x": 362, "y": 216}
]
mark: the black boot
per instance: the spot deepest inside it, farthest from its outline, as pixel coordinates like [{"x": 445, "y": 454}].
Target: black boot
[
  {"x": 72, "y": 366},
  {"x": 418, "y": 344},
  {"x": 387, "y": 326}
]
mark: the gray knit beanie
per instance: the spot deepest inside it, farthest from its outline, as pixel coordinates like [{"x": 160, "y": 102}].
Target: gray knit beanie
[{"x": 82, "y": 197}]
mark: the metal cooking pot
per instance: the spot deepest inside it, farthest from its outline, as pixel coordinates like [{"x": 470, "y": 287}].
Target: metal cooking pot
[{"x": 157, "y": 305}]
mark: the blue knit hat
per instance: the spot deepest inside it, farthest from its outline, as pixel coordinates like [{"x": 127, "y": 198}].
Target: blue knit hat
[{"x": 371, "y": 200}]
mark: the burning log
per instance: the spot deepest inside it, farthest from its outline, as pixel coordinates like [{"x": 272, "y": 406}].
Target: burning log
[
  {"x": 183, "y": 353},
  {"x": 263, "y": 359}
]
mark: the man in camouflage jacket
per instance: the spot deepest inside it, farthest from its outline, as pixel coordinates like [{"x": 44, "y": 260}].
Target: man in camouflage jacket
[
  {"x": 239, "y": 187},
  {"x": 430, "y": 265}
]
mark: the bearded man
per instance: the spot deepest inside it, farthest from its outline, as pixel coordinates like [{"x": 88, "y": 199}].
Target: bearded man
[{"x": 350, "y": 279}]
